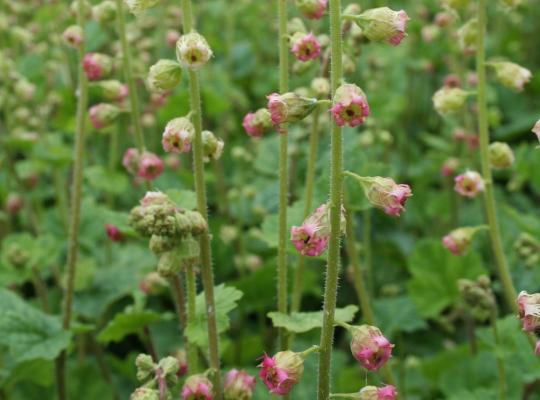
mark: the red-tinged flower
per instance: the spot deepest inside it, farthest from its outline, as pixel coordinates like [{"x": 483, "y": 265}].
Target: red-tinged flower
[
  {"x": 178, "y": 135},
  {"x": 452, "y": 81},
  {"x": 383, "y": 25},
  {"x": 449, "y": 167},
  {"x": 150, "y": 166},
  {"x": 385, "y": 193},
  {"x": 103, "y": 115},
  {"x": 258, "y": 123},
  {"x": 197, "y": 387},
  {"x": 281, "y": 372},
  {"x": 131, "y": 160},
  {"x": 289, "y": 107},
  {"x": 350, "y": 105},
  {"x": 172, "y": 37},
  {"x": 370, "y": 348},
  {"x": 387, "y": 392},
  {"x": 469, "y": 184},
  {"x": 459, "y": 240},
  {"x": 312, "y": 9},
  {"x": 73, "y": 36},
  {"x": 529, "y": 311},
  {"x": 239, "y": 385},
  {"x": 311, "y": 238},
  {"x": 305, "y": 46},
  {"x": 180, "y": 354},
  {"x": 153, "y": 284},
  {"x": 97, "y": 66},
  {"x": 113, "y": 232}
]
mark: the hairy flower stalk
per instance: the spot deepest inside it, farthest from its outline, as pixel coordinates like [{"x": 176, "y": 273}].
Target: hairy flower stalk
[
  {"x": 128, "y": 74},
  {"x": 207, "y": 274},
  {"x": 336, "y": 188},
  {"x": 283, "y": 171},
  {"x": 489, "y": 197},
  {"x": 73, "y": 238},
  {"x": 191, "y": 285}
]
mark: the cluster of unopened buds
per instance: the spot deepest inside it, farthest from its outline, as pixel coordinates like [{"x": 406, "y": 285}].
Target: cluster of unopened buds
[
  {"x": 172, "y": 231},
  {"x": 478, "y": 297}
]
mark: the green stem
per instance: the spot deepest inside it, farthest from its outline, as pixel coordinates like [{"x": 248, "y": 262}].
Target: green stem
[
  {"x": 207, "y": 275},
  {"x": 61, "y": 197},
  {"x": 73, "y": 239},
  {"x": 191, "y": 284},
  {"x": 128, "y": 75},
  {"x": 336, "y": 189},
  {"x": 344, "y": 396},
  {"x": 308, "y": 200},
  {"x": 500, "y": 361},
  {"x": 489, "y": 197},
  {"x": 179, "y": 296},
  {"x": 283, "y": 172},
  {"x": 368, "y": 265}
]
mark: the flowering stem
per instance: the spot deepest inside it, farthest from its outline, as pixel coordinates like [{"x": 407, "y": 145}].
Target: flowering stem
[
  {"x": 368, "y": 250},
  {"x": 344, "y": 396},
  {"x": 283, "y": 171},
  {"x": 312, "y": 349},
  {"x": 128, "y": 74},
  {"x": 179, "y": 295},
  {"x": 489, "y": 198},
  {"x": 336, "y": 189},
  {"x": 73, "y": 239},
  {"x": 500, "y": 361},
  {"x": 308, "y": 198},
  {"x": 191, "y": 284},
  {"x": 207, "y": 274}
]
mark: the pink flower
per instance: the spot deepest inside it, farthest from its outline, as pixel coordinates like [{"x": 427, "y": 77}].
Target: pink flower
[
  {"x": 449, "y": 242},
  {"x": 103, "y": 115},
  {"x": 277, "y": 108},
  {"x": 73, "y": 36},
  {"x": 197, "y": 387},
  {"x": 131, "y": 159},
  {"x": 181, "y": 353},
  {"x": 387, "y": 392},
  {"x": 529, "y": 311},
  {"x": 312, "y": 9},
  {"x": 350, "y": 105},
  {"x": 113, "y": 232},
  {"x": 452, "y": 81},
  {"x": 96, "y": 66},
  {"x": 281, "y": 372},
  {"x": 258, "y": 123},
  {"x": 305, "y": 46},
  {"x": 238, "y": 385},
  {"x": 178, "y": 136},
  {"x": 400, "y": 26},
  {"x": 385, "y": 193},
  {"x": 150, "y": 166},
  {"x": 459, "y": 240},
  {"x": 311, "y": 238},
  {"x": 370, "y": 347},
  {"x": 172, "y": 37},
  {"x": 469, "y": 184},
  {"x": 449, "y": 167},
  {"x": 289, "y": 107}
]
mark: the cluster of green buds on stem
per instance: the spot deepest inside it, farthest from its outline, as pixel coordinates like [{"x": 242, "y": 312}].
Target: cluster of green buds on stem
[
  {"x": 478, "y": 297},
  {"x": 159, "y": 378}
]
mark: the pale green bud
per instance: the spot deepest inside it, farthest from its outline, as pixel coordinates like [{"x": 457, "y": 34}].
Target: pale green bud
[
  {"x": 501, "y": 155},
  {"x": 164, "y": 75}
]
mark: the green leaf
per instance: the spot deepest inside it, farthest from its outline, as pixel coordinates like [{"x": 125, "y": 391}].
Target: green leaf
[
  {"x": 128, "y": 322},
  {"x": 104, "y": 180},
  {"x": 436, "y": 272},
  {"x": 397, "y": 314},
  {"x": 27, "y": 332},
  {"x": 226, "y": 299},
  {"x": 299, "y": 322}
]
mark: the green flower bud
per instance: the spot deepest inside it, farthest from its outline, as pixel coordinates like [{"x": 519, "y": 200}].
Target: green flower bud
[
  {"x": 169, "y": 264},
  {"x": 467, "y": 35},
  {"x": 511, "y": 75},
  {"x": 289, "y": 107},
  {"x": 144, "y": 393},
  {"x": 212, "y": 146},
  {"x": 145, "y": 366},
  {"x": 104, "y": 12},
  {"x": 169, "y": 366},
  {"x": 449, "y": 100},
  {"x": 138, "y": 6},
  {"x": 164, "y": 75},
  {"x": 160, "y": 244},
  {"x": 382, "y": 24},
  {"x": 501, "y": 155},
  {"x": 112, "y": 90}
]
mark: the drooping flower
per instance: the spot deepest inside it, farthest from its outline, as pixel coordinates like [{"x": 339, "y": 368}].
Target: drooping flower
[
  {"x": 178, "y": 135},
  {"x": 131, "y": 160},
  {"x": 150, "y": 166},
  {"x": 239, "y": 385},
  {"x": 289, "y": 107},
  {"x": 387, "y": 392},
  {"x": 281, "y": 372},
  {"x": 510, "y": 74},
  {"x": 529, "y": 311},
  {"x": 305, "y": 46},
  {"x": 73, "y": 36},
  {"x": 258, "y": 123},
  {"x": 449, "y": 167},
  {"x": 97, "y": 66},
  {"x": 350, "y": 105},
  {"x": 383, "y": 24},
  {"x": 103, "y": 115},
  {"x": 311, "y": 238},
  {"x": 112, "y": 90},
  {"x": 152, "y": 284},
  {"x": 369, "y": 347},
  {"x": 180, "y": 354},
  {"x": 448, "y": 100},
  {"x": 192, "y": 50},
  {"x": 312, "y": 9},
  {"x": 501, "y": 155},
  {"x": 384, "y": 193},
  {"x": 197, "y": 387},
  {"x": 212, "y": 146},
  {"x": 164, "y": 75},
  {"x": 469, "y": 184},
  {"x": 113, "y": 232},
  {"x": 459, "y": 240}
]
